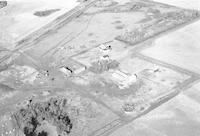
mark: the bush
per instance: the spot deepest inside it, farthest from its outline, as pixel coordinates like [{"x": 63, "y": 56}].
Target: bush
[
  {"x": 52, "y": 111},
  {"x": 3, "y": 4}
]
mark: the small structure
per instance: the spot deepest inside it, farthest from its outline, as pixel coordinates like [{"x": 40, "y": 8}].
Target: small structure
[
  {"x": 70, "y": 67},
  {"x": 46, "y": 72},
  {"x": 105, "y": 57},
  {"x": 123, "y": 79},
  {"x": 105, "y": 49},
  {"x": 119, "y": 76},
  {"x": 67, "y": 71},
  {"x": 129, "y": 107},
  {"x": 136, "y": 107},
  {"x": 79, "y": 70}
]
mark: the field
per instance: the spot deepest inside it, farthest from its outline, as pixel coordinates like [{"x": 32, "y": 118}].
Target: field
[
  {"x": 181, "y": 46},
  {"x": 83, "y": 112},
  {"x": 110, "y": 21},
  {"x": 179, "y": 116},
  {"x": 193, "y": 4},
  {"x": 152, "y": 83},
  {"x": 17, "y": 14},
  {"x": 101, "y": 67}
]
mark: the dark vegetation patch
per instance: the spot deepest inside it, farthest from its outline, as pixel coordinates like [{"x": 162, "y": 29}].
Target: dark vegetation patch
[
  {"x": 7, "y": 63},
  {"x": 3, "y": 67},
  {"x": 107, "y": 3},
  {"x": 164, "y": 22},
  {"x": 92, "y": 41},
  {"x": 128, "y": 7},
  {"x": 45, "y": 12},
  {"x": 3, "y": 4},
  {"x": 53, "y": 111},
  {"x": 82, "y": 0},
  {"x": 120, "y": 27},
  {"x": 90, "y": 34},
  {"x": 43, "y": 133},
  {"x": 5, "y": 88},
  {"x": 103, "y": 65},
  {"x": 117, "y": 22}
]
